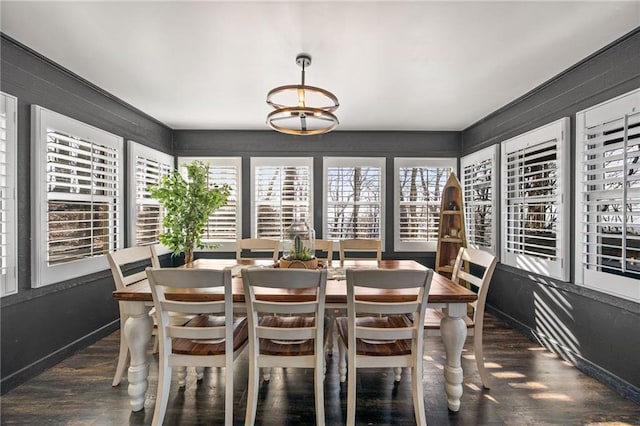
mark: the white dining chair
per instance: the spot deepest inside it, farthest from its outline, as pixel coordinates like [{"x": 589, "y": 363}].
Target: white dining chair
[
  {"x": 247, "y": 248},
  {"x": 381, "y": 334},
  {"x": 366, "y": 249},
  {"x": 285, "y": 334},
  {"x": 212, "y": 338},
  {"x": 468, "y": 261}
]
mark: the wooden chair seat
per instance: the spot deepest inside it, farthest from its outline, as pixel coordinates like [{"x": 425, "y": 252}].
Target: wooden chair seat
[
  {"x": 378, "y": 347},
  {"x": 203, "y": 347},
  {"x": 433, "y": 318}
]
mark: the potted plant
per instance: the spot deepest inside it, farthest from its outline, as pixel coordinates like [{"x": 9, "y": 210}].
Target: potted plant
[
  {"x": 188, "y": 204},
  {"x": 296, "y": 253}
]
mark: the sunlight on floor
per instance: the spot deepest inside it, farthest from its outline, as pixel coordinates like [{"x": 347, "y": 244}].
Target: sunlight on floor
[
  {"x": 507, "y": 375},
  {"x": 528, "y": 385},
  {"x": 550, "y": 395}
]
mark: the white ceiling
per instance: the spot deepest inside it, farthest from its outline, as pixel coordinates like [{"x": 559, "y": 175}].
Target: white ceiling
[{"x": 393, "y": 65}]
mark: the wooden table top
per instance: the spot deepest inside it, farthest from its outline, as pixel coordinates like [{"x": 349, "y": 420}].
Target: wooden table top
[{"x": 443, "y": 290}]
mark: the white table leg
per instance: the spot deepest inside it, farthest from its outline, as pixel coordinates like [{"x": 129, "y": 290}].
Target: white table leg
[
  {"x": 454, "y": 334},
  {"x": 137, "y": 332}
]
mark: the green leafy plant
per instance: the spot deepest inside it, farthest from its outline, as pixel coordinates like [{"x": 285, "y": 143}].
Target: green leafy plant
[
  {"x": 188, "y": 205},
  {"x": 299, "y": 251}
]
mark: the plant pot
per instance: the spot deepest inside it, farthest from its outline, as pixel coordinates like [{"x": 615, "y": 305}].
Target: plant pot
[{"x": 301, "y": 264}]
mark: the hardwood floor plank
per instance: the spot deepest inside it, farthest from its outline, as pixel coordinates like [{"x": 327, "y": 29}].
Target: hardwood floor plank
[{"x": 530, "y": 386}]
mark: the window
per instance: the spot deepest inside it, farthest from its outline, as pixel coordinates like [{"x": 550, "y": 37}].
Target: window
[
  {"x": 78, "y": 197},
  {"x": 419, "y": 183},
  {"x": 225, "y": 224},
  {"x": 281, "y": 193},
  {"x": 8, "y": 219},
  {"x": 608, "y": 197},
  {"x": 353, "y": 197},
  {"x": 535, "y": 210},
  {"x": 480, "y": 187},
  {"x": 146, "y": 167}
]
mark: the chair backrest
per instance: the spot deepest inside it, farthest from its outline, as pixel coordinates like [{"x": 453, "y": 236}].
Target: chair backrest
[
  {"x": 359, "y": 280},
  {"x": 360, "y": 245},
  {"x": 325, "y": 246},
  {"x": 310, "y": 303},
  {"x": 161, "y": 280},
  {"x": 468, "y": 261},
  {"x": 258, "y": 244},
  {"x": 120, "y": 258}
]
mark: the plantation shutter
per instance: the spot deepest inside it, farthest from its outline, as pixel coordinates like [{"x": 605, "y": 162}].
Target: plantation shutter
[
  {"x": 223, "y": 224},
  {"x": 149, "y": 167},
  {"x": 282, "y": 194},
  {"x": 83, "y": 195},
  {"x": 8, "y": 256},
  {"x": 535, "y": 218},
  {"x": 354, "y": 199},
  {"x": 479, "y": 177}
]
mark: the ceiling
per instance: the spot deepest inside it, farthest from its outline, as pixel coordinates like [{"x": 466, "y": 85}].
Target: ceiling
[{"x": 393, "y": 65}]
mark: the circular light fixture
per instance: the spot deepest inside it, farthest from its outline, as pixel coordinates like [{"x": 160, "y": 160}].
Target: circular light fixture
[{"x": 301, "y": 109}]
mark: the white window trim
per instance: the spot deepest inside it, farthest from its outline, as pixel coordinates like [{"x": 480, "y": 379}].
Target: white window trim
[
  {"x": 225, "y": 161},
  {"x": 430, "y": 246},
  {"x": 135, "y": 150},
  {"x": 10, "y": 280},
  {"x": 620, "y": 286},
  {"x": 559, "y": 269},
  {"x": 490, "y": 153},
  {"x": 357, "y": 162},
  {"x": 41, "y": 119},
  {"x": 279, "y": 162}
]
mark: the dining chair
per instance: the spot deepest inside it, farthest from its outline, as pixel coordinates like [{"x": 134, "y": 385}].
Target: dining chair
[
  {"x": 252, "y": 245},
  {"x": 360, "y": 245},
  {"x": 325, "y": 246},
  {"x": 117, "y": 260},
  {"x": 212, "y": 338},
  {"x": 285, "y": 334},
  {"x": 469, "y": 260},
  {"x": 377, "y": 334}
]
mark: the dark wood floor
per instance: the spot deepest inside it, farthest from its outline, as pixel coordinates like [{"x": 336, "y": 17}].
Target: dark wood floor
[{"x": 531, "y": 386}]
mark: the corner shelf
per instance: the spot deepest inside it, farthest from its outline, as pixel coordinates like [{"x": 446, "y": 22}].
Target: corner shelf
[{"x": 452, "y": 234}]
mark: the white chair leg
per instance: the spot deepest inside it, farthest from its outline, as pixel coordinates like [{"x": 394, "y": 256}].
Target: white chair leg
[
  {"x": 319, "y": 390},
  {"x": 199, "y": 373},
  {"x": 162, "y": 396},
  {"x": 123, "y": 358},
  {"x": 479, "y": 355},
  {"x": 397, "y": 373},
  {"x": 351, "y": 391},
  {"x": 155, "y": 344},
  {"x": 182, "y": 376},
  {"x": 266, "y": 373},
  {"x": 418, "y": 396},
  {"x": 252, "y": 391},
  {"x": 342, "y": 362},
  {"x": 331, "y": 316},
  {"x": 228, "y": 394}
]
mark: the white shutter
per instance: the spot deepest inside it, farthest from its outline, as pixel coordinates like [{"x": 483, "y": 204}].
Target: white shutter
[
  {"x": 419, "y": 183},
  {"x": 225, "y": 224},
  {"x": 78, "y": 185},
  {"x": 8, "y": 202},
  {"x": 282, "y": 193},
  {"x": 608, "y": 197},
  {"x": 354, "y": 197},
  {"x": 479, "y": 184},
  {"x": 534, "y": 210},
  {"x": 146, "y": 167}
]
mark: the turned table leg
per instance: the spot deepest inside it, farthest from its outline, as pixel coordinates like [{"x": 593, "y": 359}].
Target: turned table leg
[
  {"x": 137, "y": 332},
  {"x": 454, "y": 334}
]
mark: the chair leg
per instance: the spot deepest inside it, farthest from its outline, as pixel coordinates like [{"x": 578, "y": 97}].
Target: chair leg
[
  {"x": 479, "y": 355},
  {"x": 162, "y": 396},
  {"x": 331, "y": 316},
  {"x": 228, "y": 393},
  {"x": 342, "y": 362},
  {"x": 351, "y": 390},
  {"x": 199, "y": 373},
  {"x": 418, "y": 395},
  {"x": 252, "y": 391},
  {"x": 397, "y": 373},
  {"x": 266, "y": 373},
  {"x": 319, "y": 389},
  {"x": 155, "y": 344},
  {"x": 182, "y": 376},
  {"x": 123, "y": 358}
]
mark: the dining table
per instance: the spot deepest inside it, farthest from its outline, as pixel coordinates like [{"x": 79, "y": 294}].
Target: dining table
[{"x": 136, "y": 301}]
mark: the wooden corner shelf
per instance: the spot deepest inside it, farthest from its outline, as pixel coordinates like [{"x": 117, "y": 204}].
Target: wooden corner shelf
[{"x": 452, "y": 233}]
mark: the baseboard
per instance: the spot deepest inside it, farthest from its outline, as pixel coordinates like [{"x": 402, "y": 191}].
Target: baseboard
[
  {"x": 622, "y": 387},
  {"x": 37, "y": 367}
]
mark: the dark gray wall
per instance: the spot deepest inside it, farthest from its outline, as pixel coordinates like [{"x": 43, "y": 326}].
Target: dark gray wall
[
  {"x": 599, "y": 333},
  {"x": 41, "y": 326},
  {"x": 249, "y": 144}
]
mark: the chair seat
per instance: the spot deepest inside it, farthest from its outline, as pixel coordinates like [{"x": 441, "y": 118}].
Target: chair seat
[
  {"x": 284, "y": 347},
  {"x": 377, "y": 348},
  {"x": 433, "y": 317},
  {"x": 203, "y": 347}
]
